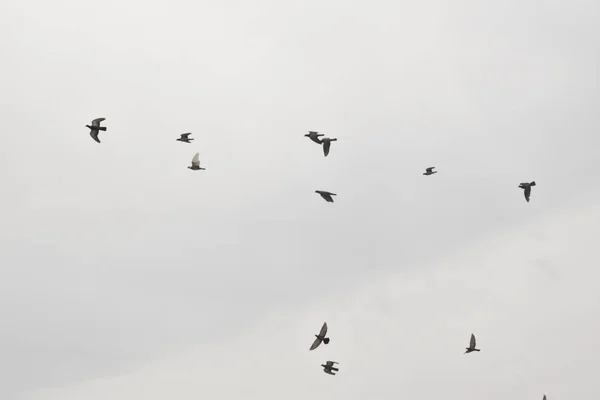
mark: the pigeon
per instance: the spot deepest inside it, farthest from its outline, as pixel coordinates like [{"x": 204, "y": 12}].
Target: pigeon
[
  {"x": 320, "y": 337},
  {"x": 527, "y": 187},
  {"x": 326, "y": 195},
  {"x": 314, "y": 136},
  {"x": 471, "y": 345},
  {"x": 326, "y": 145},
  {"x": 328, "y": 367},
  {"x": 196, "y": 162},
  {"x": 185, "y": 137},
  {"x": 429, "y": 171},
  {"x": 95, "y": 128}
]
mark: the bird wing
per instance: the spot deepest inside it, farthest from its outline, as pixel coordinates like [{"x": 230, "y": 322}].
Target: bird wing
[
  {"x": 330, "y": 363},
  {"x": 527, "y": 192},
  {"x": 544, "y": 397},
  {"x": 94, "y": 135},
  {"x": 326, "y": 146},
  {"x": 328, "y": 371},
  {"x": 472, "y": 344},
  {"x": 429, "y": 169},
  {"x": 315, "y": 344},
  {"x": 327, "y": 197},
  {"x": 185, "y": 135},
  {"x": 97, "y": 121},
  {"x": 323, "y": 330},
  {"x": 196, "y": 159}
]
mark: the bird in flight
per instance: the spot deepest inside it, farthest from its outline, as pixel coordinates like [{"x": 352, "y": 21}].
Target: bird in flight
[
  {"x": 314, "y": 136},
  {"x": 429, "y": 171},
  {"x": 185, "y": 137},
  {"x": 471, "y": 345},
  {"x": 527, "y": 187},
  {"x": 544, "y": 397},
  {"x": 326, "y": 145},
  {"x": 320, "y": 337},
  {"x": 328, "y": 367},
  {"x": 95, "y": 128},
  {"x": 326, "y": 195},
  {"x": 196, "y": 162}
]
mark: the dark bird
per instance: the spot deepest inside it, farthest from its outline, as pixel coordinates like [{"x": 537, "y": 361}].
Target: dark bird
[
  {"x": 95, "y": 128},
  {"x": 326, "y": 145},
  {"x": 328, "y": 367},
  {"x": 326, "y": 195},
  {"x": 527, "y": 187},
  {"x": 320, "y": 337},
  {"x": 429, "y": 171},
  {"x": 196, "y": 162},
  {"x": 185, "y": 137},
  {"x": 471, "y": 345},
  {"x": 314, "y": 136},
  {"x": 544, "y": 397}
]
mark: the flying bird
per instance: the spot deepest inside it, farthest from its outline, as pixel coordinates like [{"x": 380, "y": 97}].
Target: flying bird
[
  {"x": 527, "y": 187},
  {"x": 320, "y": 337},
  {"x": 544, "y": 397},
  {"x": 95, "y": 128},
  {"x": 326, "y": 145},
  {"x": 429, "y": 171},
  {"x": 196, "y": 162},
  {"x": 471, "y": 345},
  {"x": 314, "y": 136},
  {"x": 326, "y": 195},
  {"x": 185, "y": 137},
  {"x": 328, "y": 367}
]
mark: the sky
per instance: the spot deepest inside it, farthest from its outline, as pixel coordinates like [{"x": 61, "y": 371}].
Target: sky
[{"x": 127, "y": 276}]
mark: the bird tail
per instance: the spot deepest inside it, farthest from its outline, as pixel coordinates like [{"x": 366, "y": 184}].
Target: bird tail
[
  {"x": 102, "y": 128},
  {"x": 326, "y": 340},
  {"x": 532, "y": 183},
  {"x": 335, "y": 369},
  {"x": 333, "y": 140}
]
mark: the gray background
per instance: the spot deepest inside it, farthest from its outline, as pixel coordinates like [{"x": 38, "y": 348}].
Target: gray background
[{"x": 125, "y": 275}]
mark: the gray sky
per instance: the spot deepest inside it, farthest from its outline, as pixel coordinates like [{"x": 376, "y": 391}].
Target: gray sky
[{"x": 127, "y": 276}]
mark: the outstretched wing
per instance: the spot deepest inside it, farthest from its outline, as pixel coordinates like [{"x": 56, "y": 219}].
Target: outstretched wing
[
  {"x": 323, "y": 330},
  {"x": 326, "y": 146},
  {"x": 97, "y": 121},
  {"x": 315, "y": 344},
  {"x": 185, "y": 135},
  {"x": 527, "y": 192},
  {"x": 94, "y": 135},
  {"x": 544, "y": 397},
  {"x": 328, "y": 371},
  {"x": 196, "y": 159},
  {"x": 330, "y": 363},
  {"x": 327, "y": 197},
  {"x": 429, "y": 169},
  {"x": 472, "y": 344}
]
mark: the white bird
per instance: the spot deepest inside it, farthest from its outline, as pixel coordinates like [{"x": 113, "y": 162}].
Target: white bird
[{"x": 196, "y": 162}]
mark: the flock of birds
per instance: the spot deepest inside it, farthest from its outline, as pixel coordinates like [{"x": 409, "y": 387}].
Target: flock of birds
[{"x": 318, "y": 138}]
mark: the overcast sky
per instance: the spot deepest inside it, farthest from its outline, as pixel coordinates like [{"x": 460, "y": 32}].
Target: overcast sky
[{"x": 126, "y": 276}]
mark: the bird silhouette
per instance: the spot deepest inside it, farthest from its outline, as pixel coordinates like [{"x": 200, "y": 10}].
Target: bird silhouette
[
  {"x": 326, "y": 145},
  {"x": 314, "y": 136},
  {"x": 326, "y": 195},
  {"x": 185, "y": 137},
  {"x": 320, "y": 337},
  {"x": 328, "y": 367},
  {"x": 527, "y": 189},
  {"x": 196, "y": 162},
  {"x": 429, "y": 171},
  {"x": 472, "y": 345},
  {"x": 95, "y": 128}
]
